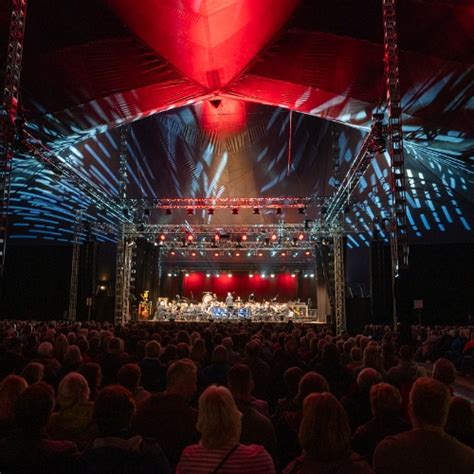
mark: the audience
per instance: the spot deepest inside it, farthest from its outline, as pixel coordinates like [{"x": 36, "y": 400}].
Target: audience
[
  {"x": 425, "y": 448},
  {"x": 273, "y": 373},
  {"x": 219, "y": 423}
]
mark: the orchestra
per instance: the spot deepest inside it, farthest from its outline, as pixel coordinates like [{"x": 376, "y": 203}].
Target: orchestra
[{"x": 210, "y": 308}]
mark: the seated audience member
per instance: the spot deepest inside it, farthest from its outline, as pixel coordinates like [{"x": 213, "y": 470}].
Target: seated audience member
[
  {"x": 112, "y": 360},
  {"x": 12, "y": 360},
  {"x": 356, "y": 359},
  {"x": 371, "y": 360},
  {"x": 357, "y": 405},
  {"x": 425, "y": 448},
  {"x": 50, "y": 364},
  {"x": 71, "y": 361},
  {"x": 27, "y": 450},
  {"x": 233, "y": 356},
  {"x": 260, "y": 369},
  {"x": 153, "y": 371},
  {"x": 219, "y": 450},
  {"x": 73, "y": 421},
  {"x": 288, "y": 424},
  {"x": 460, "y": 423},
  {"x": 324, "y": 436},
  {"x": 129, "y": 376},
  {"x": 92, "y": 372},
  {"x": 256, "y": 428},
  {"x": 445, "y": 372},
  {"x": 114, "y": 450},
  {"x": 168, "y": 417},
  {"x": 387, "y": 410},
  {"x": 216, "y": 372},
  {"x": 33, "y": 372},
  {"x": 198, "y": 352},
  {"x": 11, "y": 388},
  {"x": 291, "y": 378}
]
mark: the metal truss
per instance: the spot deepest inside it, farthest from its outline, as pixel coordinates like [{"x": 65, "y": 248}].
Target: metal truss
[
  {"x": 373, "y": 143},
  {"x": 339, "y": 284},
  {"x": 228, "y": 246},
  {"x": 399, "y": 225},
  {"x": 76, "y": 253},
  {"x": 11, "y": 99},
  {"x": 227, "y": 203},
  {"x": 123, "y": 171},
  {"x": 123, "y": 274}
]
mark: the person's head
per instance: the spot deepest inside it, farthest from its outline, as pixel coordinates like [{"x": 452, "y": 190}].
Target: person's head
[
  {"x": 115, "y": 346},
  {"x": 385, "y": 399},
  {"x": 330, "y": 354},
  {"x": 252, "y": 349},
  {"x": 367, "y": 378},
  {"x": 240, "y": 381},
  {"x": 292, "y": 377},
  {"x": 33, "y": 372},
  {"x": 372, "y": 357},
  {"x": 311, "y": 382},
  {"x": 152, "y": 349},
  {"x": 33, "y": 409},
  {"x": 228, "y": 343},
  {"x": 429, "y": 403},
  {"x": 45, "y": 350},
  {"x": 129, "y": 376},
  {"x": 460, "y": 417},
  {"x": 11, "y": 387},
  {"x": 113, "y": 410},
  {"x": 444, "y": 371},
  {"x": 219, "y": 355},
  {"x": 356, "y": 355},
  {"x": 219, "y": 421},
  {"x": 181, "y": 378},
  {"x": 406, "y": 353},
  {"x": 72, "y": 390},
  {"x": 72, "y": 357},
  {"x": 182, "y": 350},
  {"x": 92, "y": 372},
  {"x": 324, "y": 433}
]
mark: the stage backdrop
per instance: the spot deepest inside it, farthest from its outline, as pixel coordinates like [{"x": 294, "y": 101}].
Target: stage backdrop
[{"x": 283, "y": 286}]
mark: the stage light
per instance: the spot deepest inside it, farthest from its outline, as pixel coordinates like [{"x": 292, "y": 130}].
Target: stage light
[
  {"x": 260, "y": 254},
  {"x": 283, "y": 254},
  {"x": 244, "y": 237},
  {"x": 168, "y": 212},
  {"x": 312, "y": 275},
  {"x": 249, "y": 254},
  {"x": 217, "y": 275},
  {"x": 274, "y": 237},
  {"x": 186, "y": 275},
  {"x": 256, "y": 210},
  {"x": 216, "y": 254},
  {"x": 190, "y": 212},
  {"x": 272, "y": 275},
  {"x": 217, "y": 237},
  {"x": 173, "y": 253},
  {"x": 262, "y": 275},
  {"x": 193, "y": 254},
  {"x": 229, "y": 275},
  {"x": 235, "y": 211},
  {"x": 210, "y": 211},
  {"x": 250, "y": 275},
  {"x": 170, "y": 275},
  {"x": 208, "y": 275},
  {"x": 155, "y": 244},
  {"x": 190, "y": 237},
  {"x": 293, "y": 275},
  {"x": 301, "y": 236},
  {"x": 237, "y": 254},
  {"x": 306, "y": 275},
  {"x": 307, "y": 252},
  {"x": 162, "y": 237}
]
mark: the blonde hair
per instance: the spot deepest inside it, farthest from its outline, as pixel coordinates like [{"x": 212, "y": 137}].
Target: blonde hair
[
  {"x": 219, "y": 420},
  {"x": 73, "y": 389},
  {"x": 11, "y": 388},
  {"x": 324, "y": 431}
]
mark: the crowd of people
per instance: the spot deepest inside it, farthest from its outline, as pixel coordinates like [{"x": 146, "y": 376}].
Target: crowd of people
[{"x": 163, "y": 397}]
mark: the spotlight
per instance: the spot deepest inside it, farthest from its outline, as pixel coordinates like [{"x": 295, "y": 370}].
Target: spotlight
[
  {"x": 190, "y": 237},
  {"x": 162, "y": 237},
  {"x": 278, "y": 211},
  {"x": 186, "y": 275},
  {"x": 216, "y": 254},
  {"x": 217, "y": 275},
  {"x": 272, "y": 275},
  {"x": 173, "y": 252},
  {"x": 312, "y": 275},
  {"x": 170, "y": 275},
  {"x": 262, "y": 275},
  {"x": 283, "y": 254},
  {"x": 244, "y": 237},
  {"x": 216, "y": 103},
  {"x": 190, "y": 212},
  {"x": 229, "y": 275},
  {"x": 307, "y": 252},
  {"x": 274, "y": 237},
  {"x": 256, "y": 210},
  {"x": 260, "y": 254},
  {"x": 168, "y": 212},
  {"x": 208, "y": 275},
  {"x": 235, "y": 211},
  {"x": 301, "y": 236},
  {"x": 210, "y": 211},
  {"x": 250, "y": 275},
  {"x": 217, "y": 237},
  {"x": 293, "y": 275},
  {"x": 193, "y": 254},
  {"x": 237, "y": 254}
]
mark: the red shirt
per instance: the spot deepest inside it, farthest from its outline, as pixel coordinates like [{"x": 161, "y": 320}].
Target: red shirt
[{"x": 251, "y": 459}]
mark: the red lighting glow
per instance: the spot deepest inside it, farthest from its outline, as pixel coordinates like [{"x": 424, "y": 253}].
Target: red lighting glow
[
  {"x": 274, "y": 237},
  {"x": 216, "y": 254},
  {"x": 283, "y": 254},
  {"x": 244, "y": 237},
  {"x": 260, "y": 254},
  {"x": 162, "y": 237},
  {"x": 301, "y": 237},
  {"x": 307, "y": 252},
  {"x": 237, "y": 254},
  {"x": 173, "y": 252},
  {"x": 193, "y": 254},
  {"x": 190, "y": 237}
]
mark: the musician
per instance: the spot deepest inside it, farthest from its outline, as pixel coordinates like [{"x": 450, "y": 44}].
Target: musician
[{"x": 229, "y": 301}]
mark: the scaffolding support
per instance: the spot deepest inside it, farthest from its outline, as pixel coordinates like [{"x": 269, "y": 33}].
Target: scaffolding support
[
  {"x": 76, "y": 254},
  {"x": 11, "y": 99},
  {"x": 123, "y": 274},
  {"x": 339, "y": 284},
  {"x": 398, "y": 231}
]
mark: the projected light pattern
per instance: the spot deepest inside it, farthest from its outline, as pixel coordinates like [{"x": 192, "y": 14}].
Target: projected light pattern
[{"x": 173, "y": 155}]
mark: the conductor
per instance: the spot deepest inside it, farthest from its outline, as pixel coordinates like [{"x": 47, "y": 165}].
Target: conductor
[{"x": 229, "y": 301}]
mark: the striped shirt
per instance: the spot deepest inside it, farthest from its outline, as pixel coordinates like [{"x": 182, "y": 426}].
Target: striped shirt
[{"x": 248, "y": 459}]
